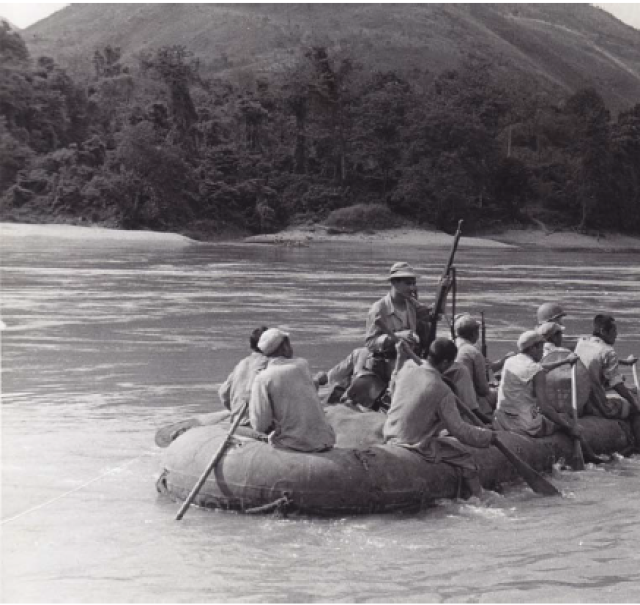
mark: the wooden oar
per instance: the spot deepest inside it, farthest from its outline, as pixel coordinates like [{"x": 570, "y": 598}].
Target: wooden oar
[
  {"x": 216, "y": 458},
  {"x": 635, "y": 378},
  {"x": 533, "y": 478},
  {"x": 578, "y": 457}
]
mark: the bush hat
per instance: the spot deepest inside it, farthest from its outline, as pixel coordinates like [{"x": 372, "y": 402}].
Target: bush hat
[
  {"x": 271, "y": 340},
  {"x": 528, "y": 339},
  {"x": 401, "y": 271},
  {"x": 549, "y": 328}
]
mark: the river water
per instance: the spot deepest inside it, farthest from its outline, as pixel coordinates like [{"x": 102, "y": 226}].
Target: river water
[{"x": 107, "y": 341}]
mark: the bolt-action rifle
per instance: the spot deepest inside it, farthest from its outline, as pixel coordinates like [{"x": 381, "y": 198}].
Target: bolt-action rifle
[
  {"x": 483, "y": 343},
  {"x": 441, "y": 295}
]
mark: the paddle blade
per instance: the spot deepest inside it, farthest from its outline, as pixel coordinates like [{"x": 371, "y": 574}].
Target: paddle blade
[
  {"x": 534, "y": 479},
  {"x": 168, "y": 434}
]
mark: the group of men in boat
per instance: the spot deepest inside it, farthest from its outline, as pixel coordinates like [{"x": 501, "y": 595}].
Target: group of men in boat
[{"x": 423, "y": 397}]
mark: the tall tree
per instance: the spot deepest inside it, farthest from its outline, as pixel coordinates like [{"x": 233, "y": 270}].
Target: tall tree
[{"x": 592, "y": 148}]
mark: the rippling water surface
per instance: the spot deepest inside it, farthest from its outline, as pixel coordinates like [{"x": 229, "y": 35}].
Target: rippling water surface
[{"x": 105, "y": 344}]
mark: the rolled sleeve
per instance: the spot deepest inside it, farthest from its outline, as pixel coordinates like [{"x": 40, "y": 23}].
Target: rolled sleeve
[
  {"x": 611, "y": 369},
  {"x": 341, "y": 373}
]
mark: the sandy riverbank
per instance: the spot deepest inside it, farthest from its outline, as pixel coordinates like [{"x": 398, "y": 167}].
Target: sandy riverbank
[
  {"x": 568, "y": 239},
  {"x": 393, "y": 237},
  {"x": 308, "y": 236},
  {"x": 76, "y": 233},
  {"x": 420, "y": 237}
]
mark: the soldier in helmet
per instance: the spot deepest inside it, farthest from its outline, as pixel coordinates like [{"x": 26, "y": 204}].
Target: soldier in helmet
[
  {"x": 553, "y": 312},
  {"x": 550, "y": 312}
]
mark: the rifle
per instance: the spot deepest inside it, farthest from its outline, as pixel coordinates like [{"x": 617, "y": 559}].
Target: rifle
[
  {"x": 441, "y": 295},
  {"x": 454, "y": 293},
  {"x": 483, "y": 343}
]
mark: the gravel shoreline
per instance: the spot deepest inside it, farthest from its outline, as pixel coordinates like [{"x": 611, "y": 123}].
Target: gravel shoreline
[{"x": 515, "y": 238}]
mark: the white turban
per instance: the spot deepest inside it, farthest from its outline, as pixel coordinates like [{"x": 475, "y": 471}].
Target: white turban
[{"x": 271, "y": 340}]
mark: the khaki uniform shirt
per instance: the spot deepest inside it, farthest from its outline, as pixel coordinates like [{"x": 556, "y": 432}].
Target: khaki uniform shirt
[
  {"x": 421, "y": 406},
  {"x": 385, "y": 312},
  {"x": 236, "y": 389},
  {"x": 284, "y": 401},
  {"x": 517, "y": 408},
  {"x": 602, "y": 362},
  {"x": 474, "y": 361},
  {"x": 343, "y": 373}
]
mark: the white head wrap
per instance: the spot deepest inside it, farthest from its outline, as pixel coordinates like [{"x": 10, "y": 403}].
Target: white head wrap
[{"x": 271, "y": 340}]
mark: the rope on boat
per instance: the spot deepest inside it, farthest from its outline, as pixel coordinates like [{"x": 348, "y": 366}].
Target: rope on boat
[
  {"x": 279, "y": 506},
  {"x": 75, "y": 489}
]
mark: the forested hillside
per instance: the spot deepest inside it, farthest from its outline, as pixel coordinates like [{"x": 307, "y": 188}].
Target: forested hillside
[
  {"x": 155, "y": 139},
  {"x": 563, "y": 47}
]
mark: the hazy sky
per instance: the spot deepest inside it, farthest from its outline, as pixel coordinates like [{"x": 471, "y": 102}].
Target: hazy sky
[{"x": 24, "y": 14}]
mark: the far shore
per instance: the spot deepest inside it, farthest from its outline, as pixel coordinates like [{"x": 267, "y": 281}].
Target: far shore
[
  {"x": 319, "y": 235},
  {"x": 513, "y": 238}
]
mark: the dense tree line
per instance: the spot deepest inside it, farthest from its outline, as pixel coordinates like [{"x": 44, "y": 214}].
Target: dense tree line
[{"x": 157, "y": 144}]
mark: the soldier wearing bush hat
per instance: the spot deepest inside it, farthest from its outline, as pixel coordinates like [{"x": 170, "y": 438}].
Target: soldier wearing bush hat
[{"x": 397, "y": 316}]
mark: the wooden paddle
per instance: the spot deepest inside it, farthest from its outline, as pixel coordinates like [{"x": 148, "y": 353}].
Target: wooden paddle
[
  {"x": 533, "y": 478},
  {"x": 635, "y": 378},
  {"x": 578, "y": 457},
  {"x": 216, "y": 458}
]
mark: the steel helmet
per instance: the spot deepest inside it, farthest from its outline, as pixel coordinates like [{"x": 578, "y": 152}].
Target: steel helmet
[{"x": 550, "y": 312}]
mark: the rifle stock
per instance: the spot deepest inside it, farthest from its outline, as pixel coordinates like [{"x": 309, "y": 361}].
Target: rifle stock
[{"x": 441, "y": 295}]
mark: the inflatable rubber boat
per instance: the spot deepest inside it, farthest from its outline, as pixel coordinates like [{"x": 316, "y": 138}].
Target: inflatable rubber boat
[{"x": 361, "y": 475}]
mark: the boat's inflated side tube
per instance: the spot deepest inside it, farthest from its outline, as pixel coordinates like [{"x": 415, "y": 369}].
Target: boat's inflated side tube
[{"x": 347, "y": 480}]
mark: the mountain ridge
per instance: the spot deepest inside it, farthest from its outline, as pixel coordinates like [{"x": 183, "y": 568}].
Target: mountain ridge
[{"x": 564, "y": 47}]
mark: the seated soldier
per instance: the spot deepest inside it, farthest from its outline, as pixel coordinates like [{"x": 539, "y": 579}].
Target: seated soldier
[
  {"x": 353, "y": 383},
  {"x": 236, "y": 389},
  {"x": 523, "y": 406},
  {"x": 550, "y": 312},
  {"x": 422, "y": 405},
  {"x": 599, "y": 356},
  {"x": 284, "y": 401},
  {"x": 552, "y": 334},
  {"x": 467, "y": 330},
  {"x": 553, "y": 312},
  {"x": 456, "y": 376},
  {"x": 559, "y": 381}
]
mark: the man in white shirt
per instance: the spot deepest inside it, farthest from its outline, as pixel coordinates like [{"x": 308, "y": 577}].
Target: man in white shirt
[
  {"x": 523, "y": 406},
  {"x": 597, "y": 353}
]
